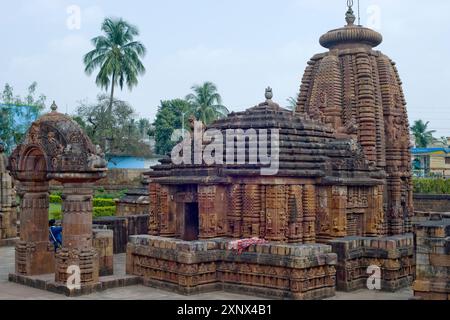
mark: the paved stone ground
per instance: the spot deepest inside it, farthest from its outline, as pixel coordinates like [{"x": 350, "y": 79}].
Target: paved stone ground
[{"x": 12, "y": 291}]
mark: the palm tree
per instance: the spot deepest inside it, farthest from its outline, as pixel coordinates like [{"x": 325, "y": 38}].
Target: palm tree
[
  {"x": 207, "y": 103},
  {"x": 292, "y": 103},
  {"x": 423, "y": 136},
  {"x": 117, "y": 55}
]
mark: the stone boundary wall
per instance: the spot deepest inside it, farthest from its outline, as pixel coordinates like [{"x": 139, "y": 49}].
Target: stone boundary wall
[
  {"x": 102, "y": 241},
  {"x": 116, "y": 180},
  {"x": 432, "y": 202},
  {"x": 393, "y": 255},
  {"x": 122, "y": 228},
  {"x": 305, "y": 272},
  {"x": 433, "y": 260}
]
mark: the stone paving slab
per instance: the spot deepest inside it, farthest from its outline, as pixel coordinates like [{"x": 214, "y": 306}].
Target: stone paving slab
[{"x": 12, "y": 291}]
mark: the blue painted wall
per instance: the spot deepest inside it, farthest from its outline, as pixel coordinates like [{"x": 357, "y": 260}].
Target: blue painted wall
[{"x": 131, "y": 163}]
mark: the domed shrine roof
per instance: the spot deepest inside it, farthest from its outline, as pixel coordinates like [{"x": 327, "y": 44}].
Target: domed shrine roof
[
  {"x": 307, "y": 149},
  {"x": 61, "y": 142}
]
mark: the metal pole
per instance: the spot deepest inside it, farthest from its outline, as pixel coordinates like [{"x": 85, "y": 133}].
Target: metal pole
[{"x": 359, "y": 14}]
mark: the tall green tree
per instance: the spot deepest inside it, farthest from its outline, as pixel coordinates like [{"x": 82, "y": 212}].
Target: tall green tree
[
  {"x": 422, "y": 135},
  {"x": 144, "y": 126},
  {"x": 170, "y": 116},
  {"x": 207, "y": 103},
  {"x": 17, "y": 113},
  {"x": 118, "y": 56}
]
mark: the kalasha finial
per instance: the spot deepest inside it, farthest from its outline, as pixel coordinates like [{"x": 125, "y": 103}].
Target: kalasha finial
[
  {"x": 54, "y": 107},
  {"x": 269, "y": 93},
  {"x": 350, "y": 15}
]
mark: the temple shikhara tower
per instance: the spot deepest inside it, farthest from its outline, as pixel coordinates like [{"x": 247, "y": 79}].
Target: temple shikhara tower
[{"x": 357, "y": 90}]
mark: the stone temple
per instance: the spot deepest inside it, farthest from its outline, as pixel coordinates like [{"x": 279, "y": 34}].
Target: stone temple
[{"x": 340, "y": 202}]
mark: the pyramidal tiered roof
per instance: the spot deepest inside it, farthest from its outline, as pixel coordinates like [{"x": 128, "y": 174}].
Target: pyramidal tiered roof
[{"x": 307, "y": 148}]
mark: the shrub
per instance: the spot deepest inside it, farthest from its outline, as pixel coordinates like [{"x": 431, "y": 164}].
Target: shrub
[
  {"x": 101, "y": 202},
  {"x": 104, "y": 212},
  {"x": 54, "y": 198},
  {"x": 431, "y": 186},
  {"x": 55, "y": 211},
  {"x": 105, "y": 195}
]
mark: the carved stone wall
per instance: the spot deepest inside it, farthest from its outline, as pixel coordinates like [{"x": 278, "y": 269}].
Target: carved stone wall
[
  {"x": 433, "y": 260},
  {"x": 394, "y": 256},
  {"x": 284, "y": 213},
  {"x": 273, "y": 270}
]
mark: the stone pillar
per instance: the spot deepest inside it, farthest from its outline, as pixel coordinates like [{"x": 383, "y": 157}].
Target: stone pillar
[
  {"x": 208, "y": 218},
  {"x": 34, "y": 253},
  {"x": 374, "y": 216},
  {"x": 276, "y": 212},
  {"x": 235, "y": 211},
  {"x": 309, "y": 214},
  {"x": 395, "y": 214},
  {"x": 339, "y": 211},
  {"x": 154, "y": 195},
  {"x": 166, "y": 217},
  {"x": 295, "y": 211},
  {"x": 251, "y": 211},
  {"x": 77, "y": 235}
]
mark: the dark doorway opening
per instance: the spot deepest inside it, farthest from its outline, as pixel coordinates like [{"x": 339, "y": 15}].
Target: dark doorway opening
[{"x": 191, "y": 222}]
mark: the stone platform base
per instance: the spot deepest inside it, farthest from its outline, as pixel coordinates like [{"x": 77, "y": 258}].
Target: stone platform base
[
  {"x": 393, "y": 255},
  {"x": 277, "y": 271},
  {"x": 47, "y": 282},
  {"x": 8, "y": 242}
]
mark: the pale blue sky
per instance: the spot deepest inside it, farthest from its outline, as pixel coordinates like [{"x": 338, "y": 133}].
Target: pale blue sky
[{"x": 241, "y": 45}]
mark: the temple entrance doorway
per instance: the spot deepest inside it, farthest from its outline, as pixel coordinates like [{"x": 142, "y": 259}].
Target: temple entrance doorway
[{"x": 191, "y": 222}]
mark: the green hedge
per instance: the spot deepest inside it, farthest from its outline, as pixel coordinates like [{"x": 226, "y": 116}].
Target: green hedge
[
  {"x": 97, "y": 202},
  {"x": 104, "y": 212},
  {"x": 55, "y": 212},
  {"x": 100, "y": 202},
  {"x": 100, "y": 193},
  {"x": 431, "y": 186}
]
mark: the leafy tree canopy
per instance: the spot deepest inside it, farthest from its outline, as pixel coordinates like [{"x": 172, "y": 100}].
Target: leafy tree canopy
[
  {"x": 170, "y": 117},
  {"x": 118, "y": 132},
  {"x": 422, "y": 135},
  {"x": 17, "y": 113},
  {"x": 207, "y": 103}
]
